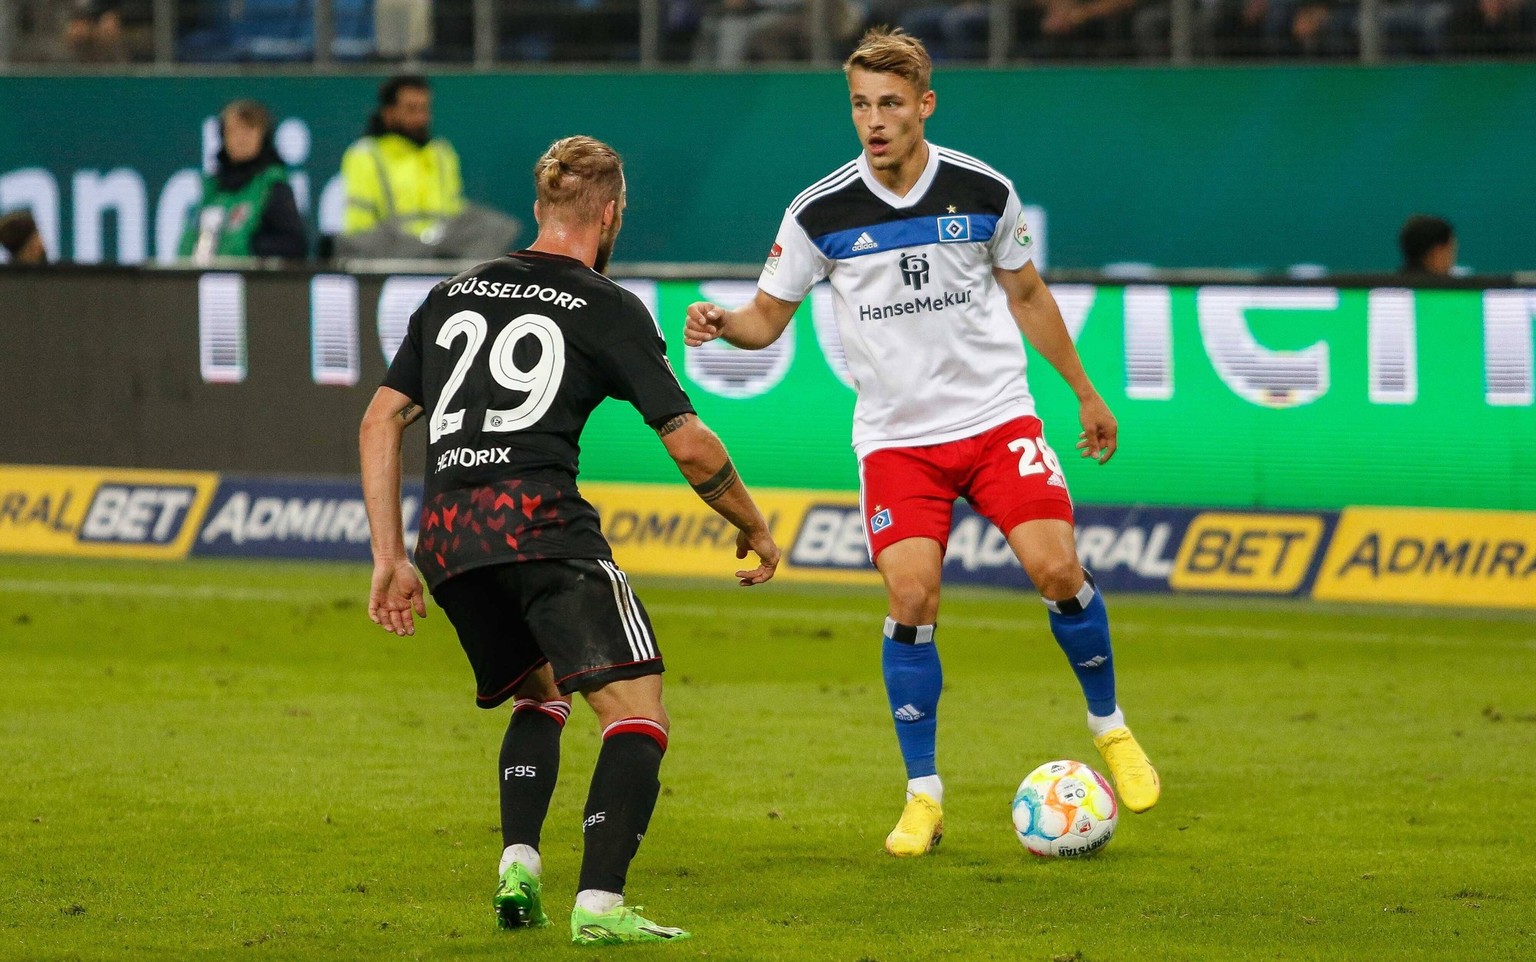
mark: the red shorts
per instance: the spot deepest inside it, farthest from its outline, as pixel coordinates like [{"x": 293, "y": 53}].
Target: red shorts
[{"x": 1008, "y": 474}]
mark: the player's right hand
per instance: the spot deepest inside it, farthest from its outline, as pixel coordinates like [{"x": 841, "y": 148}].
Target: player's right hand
[
  {"x": 395, "y": 593},
  {"x": 706, "y": 322},
  {"x": 767, "y": 551}
]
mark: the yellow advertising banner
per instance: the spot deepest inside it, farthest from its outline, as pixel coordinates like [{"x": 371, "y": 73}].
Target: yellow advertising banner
[
  {"x": 102, "y": 512},
  {"x": 1424, "y": 556},
  {"x": 666, "y": 530},
  {"x": 1264, "y": 553}
]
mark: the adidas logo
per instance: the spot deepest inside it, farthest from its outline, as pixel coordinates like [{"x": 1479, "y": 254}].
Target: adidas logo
[
  {"x": 1093, "y": 662},
  {"x": 908, "y": 713},
  {"x": 1057, "y": 480},
  {"x": 865, "y": 243}
]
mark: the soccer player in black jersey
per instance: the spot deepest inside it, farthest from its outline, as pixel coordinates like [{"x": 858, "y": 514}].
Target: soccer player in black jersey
[{"x": 506, "y": 361}]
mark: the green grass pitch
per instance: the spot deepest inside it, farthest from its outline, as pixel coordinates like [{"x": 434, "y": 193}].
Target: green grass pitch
[{"x": 227, "y": 761}]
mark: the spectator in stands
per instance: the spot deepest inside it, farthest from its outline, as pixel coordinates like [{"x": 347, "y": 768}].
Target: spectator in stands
[
  {"x": 952, "y": 29},
  {"x": 736, "y": 32},
  {"x": 1220, "y": 27},
  {"x": 93, "y": 31},
  {"x": 1076, "y": 28},
  {"x": 1312, "y": 27},
  {"x": 1493, "y": 26},
  {"x": 19, "y": 236},
  {"x": 247, "y": 208},
  {"x": 405, "y": 197},
  {"x": 1428, "y": 245}
]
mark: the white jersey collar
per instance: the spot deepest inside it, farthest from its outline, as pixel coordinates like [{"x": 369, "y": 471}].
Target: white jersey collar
[{"x": 918, "y": 189}]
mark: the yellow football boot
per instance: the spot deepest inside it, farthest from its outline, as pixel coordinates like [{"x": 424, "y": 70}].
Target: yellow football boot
[
  {"x": 919, "y": 830},
  {"x": 1135, "y": 778}
]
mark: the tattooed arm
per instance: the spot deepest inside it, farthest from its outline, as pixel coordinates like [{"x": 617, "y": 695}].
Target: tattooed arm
[
  {"x": 396, "y": 590},
  {"x": 704, "y": 461}
]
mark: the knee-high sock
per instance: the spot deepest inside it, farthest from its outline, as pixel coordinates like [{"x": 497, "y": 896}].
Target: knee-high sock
[
  {"x": 529, "y": 764},
  {"x": 1081, "y": 627},
  {"x": 913, "y": 680},
  {"x": 620, "y": 802}
]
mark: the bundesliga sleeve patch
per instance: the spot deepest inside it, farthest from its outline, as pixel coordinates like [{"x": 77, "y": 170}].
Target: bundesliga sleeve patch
[
  {"x": 1021, "y": 232},
  {"x": 774, "y": 253}
]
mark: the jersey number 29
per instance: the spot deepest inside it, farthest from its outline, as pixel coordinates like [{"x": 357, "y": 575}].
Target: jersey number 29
[{"x": 540, "y": 383}]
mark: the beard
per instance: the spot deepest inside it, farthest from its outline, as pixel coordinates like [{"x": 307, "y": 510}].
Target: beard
[
  {"x": 604, "y": 252},
  {"x": 420, "y": 136}
]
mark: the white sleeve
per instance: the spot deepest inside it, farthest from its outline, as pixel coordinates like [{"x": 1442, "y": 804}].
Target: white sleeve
[
  {"x": 794, "y": 264},
  {"x": 1013, "y": 241}
]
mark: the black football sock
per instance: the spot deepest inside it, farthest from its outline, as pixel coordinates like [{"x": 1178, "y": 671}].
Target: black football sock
[
  {"x": 530, "y": 762},
  {"x": 620, "y": 802}
]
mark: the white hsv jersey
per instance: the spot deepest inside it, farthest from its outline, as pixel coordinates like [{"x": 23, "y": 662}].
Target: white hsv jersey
[{"x": 934, "y": 353}]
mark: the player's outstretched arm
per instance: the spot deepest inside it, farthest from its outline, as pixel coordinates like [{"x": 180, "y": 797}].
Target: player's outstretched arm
[
  {"x": 1035, "y": 311},
  {"x": 752, "y": 326},
  {"x": 396, "y": 591},
  {"x": 702, "y": 458}
]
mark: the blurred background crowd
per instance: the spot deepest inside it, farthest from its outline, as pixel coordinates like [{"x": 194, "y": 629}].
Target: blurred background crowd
[{"x": 730, "y": 33}]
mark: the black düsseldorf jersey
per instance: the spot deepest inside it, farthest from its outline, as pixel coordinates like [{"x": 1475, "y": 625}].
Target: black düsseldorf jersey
[{"x": 508, "y": 360}]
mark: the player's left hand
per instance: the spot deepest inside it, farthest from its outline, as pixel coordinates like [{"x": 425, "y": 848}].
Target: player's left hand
[
  {"x": 396, "y": 592},
  {"x": 1100, "y": 432}
]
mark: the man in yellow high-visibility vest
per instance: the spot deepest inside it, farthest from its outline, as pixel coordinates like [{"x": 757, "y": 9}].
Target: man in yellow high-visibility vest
[{"x": 405, "y": 196}]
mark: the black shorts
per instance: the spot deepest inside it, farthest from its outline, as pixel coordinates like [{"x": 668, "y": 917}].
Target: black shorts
[{"x": 578, "y": 614}]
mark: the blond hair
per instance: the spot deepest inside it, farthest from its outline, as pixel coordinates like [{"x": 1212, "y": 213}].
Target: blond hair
[
  {"x": 580, "y": 175},
  {"x": 893, "y": 50}
]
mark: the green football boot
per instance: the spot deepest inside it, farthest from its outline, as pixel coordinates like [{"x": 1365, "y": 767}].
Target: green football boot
[
  {"x": 517, "y": 901},
  {"x": 622, "y": 926}
]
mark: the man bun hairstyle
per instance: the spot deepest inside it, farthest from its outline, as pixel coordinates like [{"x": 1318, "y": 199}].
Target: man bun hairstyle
[
  {"x": 580, "y": 175},
  {"x": 893, "y": 50}
]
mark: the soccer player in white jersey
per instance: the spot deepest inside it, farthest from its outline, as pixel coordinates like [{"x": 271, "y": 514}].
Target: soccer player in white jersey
[{"x": 929, "y": 258}]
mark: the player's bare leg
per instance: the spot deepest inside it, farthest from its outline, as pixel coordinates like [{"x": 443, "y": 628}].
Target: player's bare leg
[
  {"x": 1048, "y": 551},
  {"x": 528, "y": 766},
  {"x": 619, "y": 806},
  {"x": 912, "y": 569}
]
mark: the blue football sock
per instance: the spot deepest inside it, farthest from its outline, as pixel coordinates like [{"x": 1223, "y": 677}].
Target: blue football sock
[
  {"x": 1081, "y": 627},
  {"x": 913, "y": 679}
]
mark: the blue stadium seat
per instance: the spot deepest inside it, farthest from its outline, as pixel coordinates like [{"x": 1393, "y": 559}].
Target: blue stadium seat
[
  {"x": 210, "y": 38},
  {"x": 276, "y": 30},
  {"x": 354, "y": 29}
]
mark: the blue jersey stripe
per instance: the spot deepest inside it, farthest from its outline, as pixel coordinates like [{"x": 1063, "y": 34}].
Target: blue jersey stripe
[{"x": 912, "y": 232}]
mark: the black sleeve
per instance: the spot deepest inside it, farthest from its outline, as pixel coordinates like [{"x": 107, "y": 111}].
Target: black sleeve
[
  {"x": 638, "y": 370},
  {"x": 281, "y": 231},
  {"x": 405, "y": 371}
]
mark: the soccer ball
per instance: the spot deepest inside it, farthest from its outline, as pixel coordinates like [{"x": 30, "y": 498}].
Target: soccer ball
[{"x": 1064, "y": 809}]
